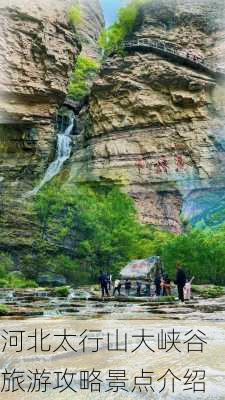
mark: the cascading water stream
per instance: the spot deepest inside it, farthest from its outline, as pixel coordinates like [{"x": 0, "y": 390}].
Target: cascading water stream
[{"x": 64, "y": 142}]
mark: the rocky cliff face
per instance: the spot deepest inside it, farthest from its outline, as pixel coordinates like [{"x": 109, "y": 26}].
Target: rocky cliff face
[
  {"x": 92, "y": 24},
  {"x": 38, "y": 53},
  {"x": 155, "y": 125}
]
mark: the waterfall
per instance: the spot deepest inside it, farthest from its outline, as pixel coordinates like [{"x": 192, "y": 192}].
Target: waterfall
[{"x": 64, "y": 143}]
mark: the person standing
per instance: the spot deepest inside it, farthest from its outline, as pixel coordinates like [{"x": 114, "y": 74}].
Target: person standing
[
  {"x": 158, "y": 284},
  {"x": 187, "y": 289},
  {"x": 148, "y": 289},
  {"x": 117, "y": 287},
  {"x": 138, "y": 285},
  {"x": 109, "y": 280},
  {"x": 127, "y": 287},
  {"x": 103, "y": 280},
  {"x": 166, "y": 285},
  {"x": 180, "y": 281}
]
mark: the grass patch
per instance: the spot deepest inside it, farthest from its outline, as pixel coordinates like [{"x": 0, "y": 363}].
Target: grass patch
[
  {"x": 62, "y": 291},
  {"x": 166, "y": 299},
  {"x": 208, "y": 292},
  {"x": 3, "y": 309}
]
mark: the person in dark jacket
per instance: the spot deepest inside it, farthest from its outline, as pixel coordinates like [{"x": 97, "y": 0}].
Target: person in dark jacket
[
  {"x": 180, "y": 281},
  {"x": 127, "y": 287},
  {"x": 103, "y": 280},
  {"x": 148, "y": 289},
  {"x": 157, "y": 284},
  {"x": 138, "y": 287}
]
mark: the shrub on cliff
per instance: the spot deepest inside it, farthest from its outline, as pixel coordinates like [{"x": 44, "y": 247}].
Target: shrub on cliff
[
  {"x": 75, "y": 15},
  {"x": 4, "y": 309},
  {"x": 62, "y": 291},
  {"x": 122, "y": 28},
  {"x": 85, "y": 69}
]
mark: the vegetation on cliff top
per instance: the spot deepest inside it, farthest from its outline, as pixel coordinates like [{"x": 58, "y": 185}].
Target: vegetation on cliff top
[
  {"x": 86, "y": 68},
  {"x": 122, "y": 28}
]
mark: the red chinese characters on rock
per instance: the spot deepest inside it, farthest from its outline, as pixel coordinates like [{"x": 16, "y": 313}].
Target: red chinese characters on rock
[
  {"x": 162, "y": 165},
  {"x": 179, "y": 163}
]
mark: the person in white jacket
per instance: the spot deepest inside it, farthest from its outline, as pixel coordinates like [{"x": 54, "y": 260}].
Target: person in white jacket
[{"x": 187, "y": 289}]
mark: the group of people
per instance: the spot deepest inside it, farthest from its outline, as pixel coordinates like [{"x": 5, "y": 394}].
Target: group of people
[
  {"x": 162, "y": 282},
  {"x": 106, "y": 284},
  {"x": 162, "y": 285}
]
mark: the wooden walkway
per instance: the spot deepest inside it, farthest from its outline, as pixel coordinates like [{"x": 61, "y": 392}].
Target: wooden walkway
[{"x": 169, "y": 51}]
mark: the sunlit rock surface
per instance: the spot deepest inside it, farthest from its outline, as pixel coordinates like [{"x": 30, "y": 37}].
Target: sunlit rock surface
[
  {"x": 91, "y": 26},
  {"x": 156, "y": 126}
]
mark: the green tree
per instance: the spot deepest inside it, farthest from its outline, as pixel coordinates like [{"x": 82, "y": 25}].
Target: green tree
[
  {"x": 101, "y": 225},
  {"x": 200, "y": 251},
  {"x": 92, "y": 227}
]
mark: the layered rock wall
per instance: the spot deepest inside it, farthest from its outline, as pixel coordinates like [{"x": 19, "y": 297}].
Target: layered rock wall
[
  {"x": 91, "y": 26},
  {"x": 152, "y": 121},
  {"x": 39, "y": 48},
  {"x": 38, "y": 52}
]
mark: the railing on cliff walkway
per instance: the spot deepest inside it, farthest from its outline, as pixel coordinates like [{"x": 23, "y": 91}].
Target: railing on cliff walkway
[{"x": 171, "y": 52}]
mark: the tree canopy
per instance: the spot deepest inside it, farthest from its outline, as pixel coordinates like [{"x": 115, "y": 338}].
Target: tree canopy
[{"x": 88, "y": 228}]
